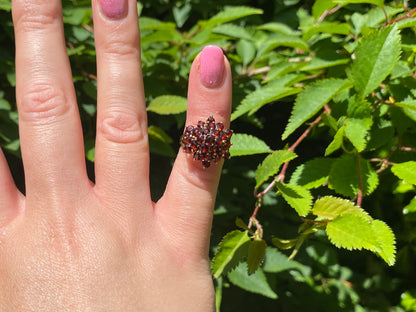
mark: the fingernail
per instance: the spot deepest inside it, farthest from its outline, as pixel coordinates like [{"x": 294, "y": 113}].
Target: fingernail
[
  {"x": 114, "y": 9},
  {"x": 211, "y": 68}
]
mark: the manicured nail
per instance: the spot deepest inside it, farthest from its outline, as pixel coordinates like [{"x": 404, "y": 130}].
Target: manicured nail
[
  {"x": 211, "y": 68},
  {"x": 114, "y": 9}
]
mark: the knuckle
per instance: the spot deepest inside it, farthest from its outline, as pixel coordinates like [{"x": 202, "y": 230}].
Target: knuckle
[
  {"x": 122, "y": 127},
  {"x": 43, "y": 103},
  {"x": 116, "y": 48},
  {"x": 35, "y": 15}
]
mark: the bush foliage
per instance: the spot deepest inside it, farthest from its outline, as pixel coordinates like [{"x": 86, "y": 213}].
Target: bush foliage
[{"x": 316, "y": 209}]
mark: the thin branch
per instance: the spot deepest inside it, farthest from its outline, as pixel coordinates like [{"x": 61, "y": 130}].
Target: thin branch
[
  {"x": 328, "y": 12},
  {"x": 360, "y": 181}
]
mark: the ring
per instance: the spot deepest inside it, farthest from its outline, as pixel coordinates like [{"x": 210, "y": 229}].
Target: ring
[{"x": 207, "y": 141}]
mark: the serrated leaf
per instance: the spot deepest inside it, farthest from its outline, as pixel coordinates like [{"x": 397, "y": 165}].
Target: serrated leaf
[
  {"x": 255, "y": 257},
  {"x": 329, "y": 207},
  {"x": 229, "y": 14},
  {"x": 275, "y": 261},
  {"x": 271, "y": 165},
  {"x": 351, "y": 231},
  {"x": 247, "y": 50},
  {"x": 336, "y": 142},
  {"x": 313, "y": 173},
  {"x": 405, "y": 171},
  {"x": 245, "y": 144},
  {"x": 356, "y": 131},
  {"x": 256, "y": 283},
  {"x": 298, "y": 197},
  {"x": 232, "y": 30},
  {"x": 375, "y": 58},
  {"x": 284, "y": 244},
  {"x": 325, "y": 27},
  {"x": 168, "y": 104},
  {"x": 255, "y": 100},
  {"x": 344, "y": 177},
  {"x": 387, "y": 241},
  {"x": 231, "y": 251},
  {"x": 311, "y": 100},
  {"x": 279, "y": 40}
]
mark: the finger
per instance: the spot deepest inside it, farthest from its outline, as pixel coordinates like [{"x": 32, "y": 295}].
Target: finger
[
  {"x": 10, "y": 197},
  {"x": 50, "y": 130},
  {"x": 190, "y": 194},
  {"x": 122, "y": 154}
]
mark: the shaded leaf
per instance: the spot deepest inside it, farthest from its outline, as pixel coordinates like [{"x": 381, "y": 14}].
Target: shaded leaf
[
  {"x": 375, "y": 58},
  {"x": 275, "y": 261},
  {"x": 297, "y": 197},
  {"x": 344, "y": 176},
  {"x": 168, "y": 104},
  {"x": 256, "y": 283},
  {"x": 245, "y": 144},
  {"x": 255, "y": 257},
  {"x": 311, "y": 100},
  {"x": 356, "y": 131},
  {"x": 232, "y": 30},
  {"x": 231, "y": 251},
  {"x": 255, "y": 100},
  {"x": 284, "y": 244},
  {"x": 271, "y": 165},
  {"x": 313, "y": 173},
  {"x": 246, "y": 50}
]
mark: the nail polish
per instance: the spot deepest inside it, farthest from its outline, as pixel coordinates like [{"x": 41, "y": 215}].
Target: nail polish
[
  {"x": 211, "y": 68},
  {"x": 114, "y": 9}
]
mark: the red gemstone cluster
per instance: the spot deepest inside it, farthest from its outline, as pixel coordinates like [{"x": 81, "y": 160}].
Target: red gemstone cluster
[{"x": 207, "y": 141}]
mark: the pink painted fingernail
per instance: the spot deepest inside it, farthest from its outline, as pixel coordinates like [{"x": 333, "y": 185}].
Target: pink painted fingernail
[
  {"x": 211, "y": 68},
  {"x": 114, "y": 9}
]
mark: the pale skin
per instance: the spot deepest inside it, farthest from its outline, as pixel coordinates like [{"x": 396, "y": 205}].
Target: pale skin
[{"x": 69, "y": 244}]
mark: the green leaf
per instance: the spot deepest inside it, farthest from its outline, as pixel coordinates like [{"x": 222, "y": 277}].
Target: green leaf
[
  {"x": 313, "y": 173},
  {"x": 168, "y": 104},
  {"x": 159, "y": 142},
  {"x": 336, "y": 142},
  {"x": 246, "y": 50},
  {"x": 256, "y": 283},
  {"x": 344, "y": 177},
  {"x": 257, "y": 99},
  {"x": 232, "y": 249},
  {"x": 279, "y": 40},
  {"x": 387, "y": 241},
  {"x": 255, "y": 256},
  {"x": 232, "y": 30},
  {"x": 159, "y": 134},
  {"x": 320, "y": 6},
  {"x": 311, "y": 100},
  {"x": 356, "y": 131},
  {"x": 325, "y": 27},
  {"x": 245, "y": 144},
  {"x": 345, "y": 2},
  {"x": 5, "y": 5},
  {"x": 5, "y": 105},
  {"x": 351, "y": 231},
  {"x": 284, "y": 244},
  {"x": 329, "y": 207},
  {"x": 278, "y": 28},
  {"x": 271, "y": 165},
  {"x": 230, "y": 13},
  {"x": 375, "y": 58},
  {"x": 405, "y": 171},
  {"x": 298, "y": 197},
  {"x": 275, "y": 261}
]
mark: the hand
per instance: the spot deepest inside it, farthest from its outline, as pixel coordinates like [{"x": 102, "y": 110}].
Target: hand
[{"x": 73, "y": 245}]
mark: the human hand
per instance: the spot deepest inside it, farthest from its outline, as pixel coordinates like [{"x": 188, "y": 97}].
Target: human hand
[{"x": 73, "y": 245}]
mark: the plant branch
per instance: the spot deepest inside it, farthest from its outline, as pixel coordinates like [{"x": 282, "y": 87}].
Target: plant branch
[
  {"x": 328, "y": 12},
  {"x": 360, "y": 181}
]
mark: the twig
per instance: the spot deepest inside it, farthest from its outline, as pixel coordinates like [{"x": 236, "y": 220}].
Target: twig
[
  {"x": 328, "y": 12},
  {"x": 408, "y": 15},
  {"x": 360, "y": 181}
]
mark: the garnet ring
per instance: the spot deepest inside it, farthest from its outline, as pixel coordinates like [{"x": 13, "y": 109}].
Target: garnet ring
[{"x": 207, "y": 141}]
